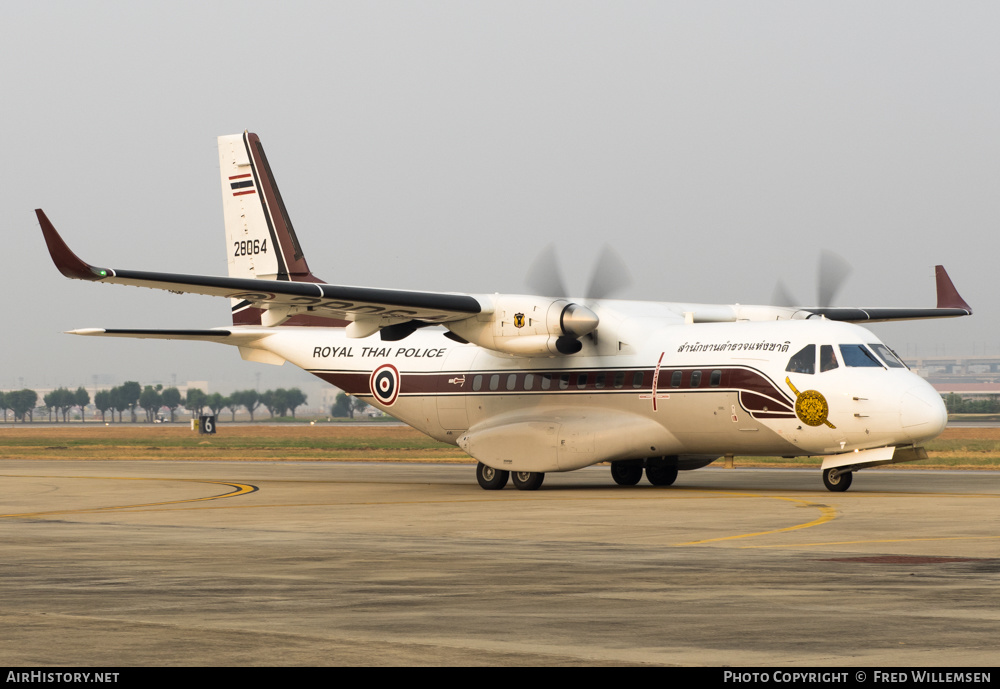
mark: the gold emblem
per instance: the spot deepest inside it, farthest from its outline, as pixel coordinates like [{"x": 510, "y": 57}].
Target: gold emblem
[
  {"x": 810, "y": 406},
  {"x": 518, "y": 320}
]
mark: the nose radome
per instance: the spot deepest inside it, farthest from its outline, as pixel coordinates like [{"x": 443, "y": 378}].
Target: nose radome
[{"x": 922, "y": 412}]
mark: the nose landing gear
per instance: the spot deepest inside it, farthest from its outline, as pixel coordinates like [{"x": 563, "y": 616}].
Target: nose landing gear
[{"x": 837, "y": 481}]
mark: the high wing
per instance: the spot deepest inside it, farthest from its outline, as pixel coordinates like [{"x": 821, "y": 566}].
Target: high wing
[
  {"x": 484, "y": 319},
  {"x": 279, "y": 297},
  {"x": 949, "y": 305},
  {"x": 270, "y": 284}
]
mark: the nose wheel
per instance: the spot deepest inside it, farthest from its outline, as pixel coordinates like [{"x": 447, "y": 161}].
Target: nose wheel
[{"x": 837, "y": 481}]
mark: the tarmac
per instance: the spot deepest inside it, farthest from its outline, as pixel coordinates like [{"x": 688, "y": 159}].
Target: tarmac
[{"x": 126, "y": 564}]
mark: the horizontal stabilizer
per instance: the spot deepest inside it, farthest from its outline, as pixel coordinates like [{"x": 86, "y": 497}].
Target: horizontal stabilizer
[
  {"x": 223, "y": 335},
  {"x": 155, "y": 334}
]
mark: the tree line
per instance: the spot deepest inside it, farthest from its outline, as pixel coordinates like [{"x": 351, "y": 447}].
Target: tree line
[
  {"x": 346, "y": 405},
  {"x": 956, "y": 404},
  {"x": 133, "y": 399}
]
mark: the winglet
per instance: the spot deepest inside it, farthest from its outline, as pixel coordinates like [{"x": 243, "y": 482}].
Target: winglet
[
  {"x": 68, "y": 263},
  {"x": 947, "y": 296}
]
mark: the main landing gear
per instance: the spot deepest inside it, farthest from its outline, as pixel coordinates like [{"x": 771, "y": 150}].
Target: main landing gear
[
  {"x": 527, "y": 480},
  {"x": 495, "y": 479},
  {"x": 490, "y": 478},
  {"x": 837, "y": 481},
  {"x": 626, "y": 474},
  {"x": 658, "y": 472}
]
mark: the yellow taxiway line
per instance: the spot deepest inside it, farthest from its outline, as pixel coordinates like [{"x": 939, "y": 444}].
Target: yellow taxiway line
[{"x": 238, "y": 489}]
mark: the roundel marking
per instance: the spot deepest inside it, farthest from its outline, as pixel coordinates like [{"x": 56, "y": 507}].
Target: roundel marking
[{"x": 384, "y": 384}]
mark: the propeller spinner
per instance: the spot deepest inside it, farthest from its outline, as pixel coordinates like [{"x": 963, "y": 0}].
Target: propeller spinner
[{"x": 609, "y": 275}]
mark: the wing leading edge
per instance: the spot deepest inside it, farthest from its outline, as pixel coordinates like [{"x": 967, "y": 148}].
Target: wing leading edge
[
  {"x": 949, "y": 305},
  {"x": 287, "y": 298},
  {"x": 398, "y": 312}
]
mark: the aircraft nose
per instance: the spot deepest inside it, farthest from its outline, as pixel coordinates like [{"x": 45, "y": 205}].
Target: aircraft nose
[{"x": 922, "y": 412}]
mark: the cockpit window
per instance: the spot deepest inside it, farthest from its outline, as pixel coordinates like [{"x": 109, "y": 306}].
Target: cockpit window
[
  {"x": 887, "y": 355},
  {"x": 857, "y": 355},
  {"x": 827, "y": 358},
  {"x": 803, "y": 361}
]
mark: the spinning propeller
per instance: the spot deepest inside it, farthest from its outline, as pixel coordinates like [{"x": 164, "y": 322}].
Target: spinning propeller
[
  {"x": 609, "y": 276},
  {"x": 831, "y": 275}
]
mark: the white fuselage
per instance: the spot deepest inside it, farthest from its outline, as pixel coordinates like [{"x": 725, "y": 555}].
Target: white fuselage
[{"x": 647, "y": 387}]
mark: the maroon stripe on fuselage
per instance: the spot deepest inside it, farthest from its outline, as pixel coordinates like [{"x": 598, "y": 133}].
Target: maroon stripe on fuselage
[
  {"x": 353, "y": 383},
  {"x": 757, "y": 394}
]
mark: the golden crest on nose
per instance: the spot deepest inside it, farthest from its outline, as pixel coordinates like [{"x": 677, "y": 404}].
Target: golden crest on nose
[{"x": 810, "y": 406}]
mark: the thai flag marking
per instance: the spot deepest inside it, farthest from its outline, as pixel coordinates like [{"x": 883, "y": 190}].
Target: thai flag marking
[{"x": 242, "y": 184}]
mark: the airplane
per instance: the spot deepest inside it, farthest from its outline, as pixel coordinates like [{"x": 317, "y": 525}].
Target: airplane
[{"x": 529, "y": 384}]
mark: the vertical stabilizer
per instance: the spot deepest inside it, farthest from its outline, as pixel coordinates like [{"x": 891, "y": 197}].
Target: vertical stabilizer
[{"x": 260, "y": 239}]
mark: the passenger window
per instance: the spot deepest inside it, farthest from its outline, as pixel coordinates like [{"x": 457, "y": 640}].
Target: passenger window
[
  {"x": 637, "y": 379},
  {"x": 887, "y": 355},
  {"x": 675, "y": 379},
  {"x": 546, "y": 381},
  {"x": 599, "y": 383},
  {"x": 564, "y": 381},
  {"x": 494, "y": 381},
  {"x": 477, "y": 383},
  {"x": 529, "y": 381},
  {"x": 511, "y": 381},
  {"x": 716, "y": 379},
  {"x": 619, "y": 379},
  {"x": 827, "y": 358},
  {"x": 803, "y": 361},
  {"x": 695, "y": 379},
  {"x": 858, "y": 356},
  {"x": 581, "y": 381}
]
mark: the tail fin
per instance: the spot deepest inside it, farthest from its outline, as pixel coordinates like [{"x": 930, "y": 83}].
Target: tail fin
[{"x": 260, "y": 239}]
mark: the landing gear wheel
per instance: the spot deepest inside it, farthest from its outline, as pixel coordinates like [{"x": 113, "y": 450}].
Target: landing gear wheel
[
  {"x": 527, "y": 480},
  {"x": 837, "y": 483},
  {"x": 625, "y": 474},
  {"x": 490, "y": 478},
  {"x": 661, "y": 476}
]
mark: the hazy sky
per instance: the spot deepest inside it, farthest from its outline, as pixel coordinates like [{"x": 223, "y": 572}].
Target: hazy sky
[{"x": 719, "y": 146}]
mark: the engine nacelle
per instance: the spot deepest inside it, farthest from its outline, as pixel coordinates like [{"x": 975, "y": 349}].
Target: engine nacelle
[{"x": 529, "y": 326}]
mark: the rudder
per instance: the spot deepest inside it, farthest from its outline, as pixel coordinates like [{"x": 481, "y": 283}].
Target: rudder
[{"x": 260, "y": 240}]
